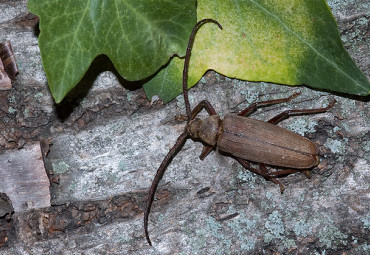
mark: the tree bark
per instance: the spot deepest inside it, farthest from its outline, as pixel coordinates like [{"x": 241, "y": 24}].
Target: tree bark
[{"x": 103, "y": 144}]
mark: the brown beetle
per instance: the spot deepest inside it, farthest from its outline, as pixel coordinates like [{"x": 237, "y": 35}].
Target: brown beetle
[{"x": 243, "y": 138}]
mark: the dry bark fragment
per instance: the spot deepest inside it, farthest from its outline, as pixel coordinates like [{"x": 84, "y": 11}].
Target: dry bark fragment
[
  {"x": 24, "y": 178},
  {"x": 8, "y": 66}
]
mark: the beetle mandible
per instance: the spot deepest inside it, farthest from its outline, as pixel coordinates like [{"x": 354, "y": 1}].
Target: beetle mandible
[{"x": 243, "y": 138}]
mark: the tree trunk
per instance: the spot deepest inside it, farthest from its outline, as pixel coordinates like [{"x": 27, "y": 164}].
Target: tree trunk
[{"x": 103, "y": 144}]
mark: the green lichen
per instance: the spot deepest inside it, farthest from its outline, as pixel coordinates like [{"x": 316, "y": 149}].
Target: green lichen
[
  {"x": 161, "y": 218},
  {"x": 125, "y": 239},
  {"x": 247, "y": 176},
  {"x": 12, "y": 99},
  {"x": 347, "y": 107},
  {"x": 366, "y": 221},
  {"x": 269, "y": 202},
  {"x": 60, "y": 167},
  {"x": 302, "y": 125},
  {"x": 38, "y": 95},
  {"x": 366, "y": 146},
  {"x": 336, "y": 146},
  {"x": 199, "y": 241},
  {"x": 331, "y": 236},
  {"x": 202, "y": 80},
  {"x": 111, "y": 177},
  {"x": 11, "y": 110},
  {"x": 243, "y": 228},
  {"x": 274, "y": 226},
  {"x": 269, "y": 195},
  {"x": 302, "y": 228},
  {"x": 364, "y": 248},
  {"x": 27, "y": 113},
  {"x": 215, "y": 230},
  {"x": 181, "y": 103},
  {"x": 129, "y": 96},
  {"x": 73, "y": 186},
  {"x": 322, "y": 253},
  {"x": 122, "y": 166},
  {"x": 250, "y": 91},
  {"x": 289, "y": 243}
]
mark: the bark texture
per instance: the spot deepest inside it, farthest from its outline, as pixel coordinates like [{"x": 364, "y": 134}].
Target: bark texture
[{"x": 104, "y": 142}]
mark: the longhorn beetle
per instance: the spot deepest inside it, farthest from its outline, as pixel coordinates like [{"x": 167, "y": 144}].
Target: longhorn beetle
[{"x": 243, "y": 138}]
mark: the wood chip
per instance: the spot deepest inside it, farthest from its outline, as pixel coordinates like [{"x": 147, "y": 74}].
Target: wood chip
[
  {"x": 24, "y": 179},
  {"x": 8, "y": 66}
]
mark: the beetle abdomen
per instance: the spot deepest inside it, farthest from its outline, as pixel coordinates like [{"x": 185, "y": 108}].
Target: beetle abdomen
[{"x": 264, "y": 142}]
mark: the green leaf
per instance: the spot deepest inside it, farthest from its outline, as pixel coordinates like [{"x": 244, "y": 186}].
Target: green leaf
[
  {"x": 139, "y": 36},
  {"x": 291, "y": 42}
]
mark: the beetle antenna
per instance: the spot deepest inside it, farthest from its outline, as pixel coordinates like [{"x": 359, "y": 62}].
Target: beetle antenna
[
  {"x": 186, "y": 63},
  {"x": 181, "y": 139},
  {"x": 158, "y": 176}
]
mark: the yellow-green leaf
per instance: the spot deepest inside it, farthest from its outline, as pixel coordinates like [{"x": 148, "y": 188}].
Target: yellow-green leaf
[{"x": 291, "y": 42}]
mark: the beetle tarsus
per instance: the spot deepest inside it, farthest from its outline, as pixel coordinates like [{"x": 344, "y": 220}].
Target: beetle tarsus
[
  {"x": 205, "y": 151},
  {"x": 282, "y": 188},
  {"x": 307, "y": 174}
]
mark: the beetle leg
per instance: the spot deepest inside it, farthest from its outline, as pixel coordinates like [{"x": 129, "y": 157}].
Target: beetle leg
[
  {"x": 251, "y": 108},
  {"x": 263, "y": 168},
  {"x": 283, "y": 172},
  {"x": 307, "y": 173},
  {"x": 262, "y": 171},
  {"x": 288, "y": 113},
  {"x": 267, "y": 174},
  {"x": 211, "y": 111},
  {"x": 206, "y": 150},
  {"x": 204, "y": 104}
]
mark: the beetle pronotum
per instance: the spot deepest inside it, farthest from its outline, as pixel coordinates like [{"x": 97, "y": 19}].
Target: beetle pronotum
[{"x": 243, "y": 138}]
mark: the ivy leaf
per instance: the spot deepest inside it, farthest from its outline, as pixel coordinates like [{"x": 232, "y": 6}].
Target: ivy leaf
[
  {"x": 281, "y": 41},
  {"x": 139, "y": 36}
]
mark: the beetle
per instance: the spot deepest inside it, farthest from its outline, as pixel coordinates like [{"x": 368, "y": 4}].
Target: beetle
[{"x": 243, "y": 138}]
